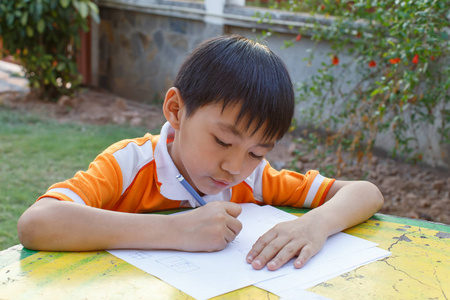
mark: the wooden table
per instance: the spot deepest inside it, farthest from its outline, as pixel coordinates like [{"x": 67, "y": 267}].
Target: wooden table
[{"x": 419, "y": 268}]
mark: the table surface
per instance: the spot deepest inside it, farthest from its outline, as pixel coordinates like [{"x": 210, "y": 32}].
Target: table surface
[{"x": 419, "y": 268}]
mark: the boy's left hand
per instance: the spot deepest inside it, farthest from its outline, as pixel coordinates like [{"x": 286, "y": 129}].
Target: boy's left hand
[{"x": 301, "y": 237}]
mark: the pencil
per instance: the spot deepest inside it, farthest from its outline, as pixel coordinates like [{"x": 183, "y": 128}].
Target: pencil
[{"x": 191, "y": 191}]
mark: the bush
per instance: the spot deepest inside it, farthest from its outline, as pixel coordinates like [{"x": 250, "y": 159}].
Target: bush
[
  {"x": 397, "y": 81},
  {"x": 43, "y": 36}
]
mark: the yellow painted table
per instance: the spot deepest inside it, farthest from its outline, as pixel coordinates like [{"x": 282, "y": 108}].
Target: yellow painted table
[{"x": 419, "y": 268}]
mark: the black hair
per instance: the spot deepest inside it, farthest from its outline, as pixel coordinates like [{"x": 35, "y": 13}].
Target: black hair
[{"x": 236, "y": 70}]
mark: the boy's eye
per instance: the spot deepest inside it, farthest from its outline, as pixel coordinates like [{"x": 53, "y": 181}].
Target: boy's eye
[
  {"x": 223, "y": 144},
  {"x": 256, "y": 156}
]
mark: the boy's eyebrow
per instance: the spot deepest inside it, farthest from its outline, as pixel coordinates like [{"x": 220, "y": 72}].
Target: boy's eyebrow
[{"x": 233, "y": 130}]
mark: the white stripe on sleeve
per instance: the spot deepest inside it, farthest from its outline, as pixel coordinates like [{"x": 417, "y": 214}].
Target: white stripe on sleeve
[
  {"x": 313, "y": 190},
  {"x": 131, "y": 159},
  {"x": 69, "y": 193}
]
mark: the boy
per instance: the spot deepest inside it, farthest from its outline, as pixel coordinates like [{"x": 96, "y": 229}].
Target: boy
[{"x": 231, "y": 101}]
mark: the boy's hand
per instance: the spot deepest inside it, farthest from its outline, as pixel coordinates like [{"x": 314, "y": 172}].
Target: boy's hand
[
  {"x": 356, "y": 201},
  {"x": 208, "y": 228},
  {"x": 300, "y": 237}
]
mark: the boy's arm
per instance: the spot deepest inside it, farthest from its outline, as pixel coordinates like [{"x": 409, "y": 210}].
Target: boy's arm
[
  {"x": 54, "y": 225},
  {"x": 348, "y": 203}
]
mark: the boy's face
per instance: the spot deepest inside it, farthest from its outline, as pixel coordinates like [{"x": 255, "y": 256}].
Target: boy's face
[{"x": 213, "y": 152}]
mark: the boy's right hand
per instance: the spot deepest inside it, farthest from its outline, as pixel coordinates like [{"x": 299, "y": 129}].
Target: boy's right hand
[{"x": 207, "y": 228}]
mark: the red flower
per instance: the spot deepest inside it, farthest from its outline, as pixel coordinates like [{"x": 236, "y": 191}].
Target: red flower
[
  {"x": 415, "y": 60},
  {"x": 298, "y": 38},
  {"x": 358, "y": 35},
  {"x": 432, "y": 57},
  {"x": 394, "y": 60},
  {"x": 322, "y": 7},
  {"x": 372, "y": 64},
  {"x": 335, "y": 60}
]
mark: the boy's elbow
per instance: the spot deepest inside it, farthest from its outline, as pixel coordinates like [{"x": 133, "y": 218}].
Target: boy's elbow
[
  {"x": 32, "y": 227},
  {"x": 376, "y": 195},
  {"x": 28, "y": 229}
]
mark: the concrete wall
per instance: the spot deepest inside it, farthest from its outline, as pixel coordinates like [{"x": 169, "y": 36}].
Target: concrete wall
[
  {"x": 141, "y": 53},
  {"x": 140, "y": 44}
]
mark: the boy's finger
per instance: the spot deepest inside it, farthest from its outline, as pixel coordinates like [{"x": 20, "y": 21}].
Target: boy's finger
[
  {"x": 305, "y": 254},
  {"x": 260, "y": 244},
  {"x": 268, "y": 253},
  {"x": 230, "y": 235},
  {"x": 235, "y": 226},
  {"x": 290, "y": 250},
  {"x": 233, "y": 209}
]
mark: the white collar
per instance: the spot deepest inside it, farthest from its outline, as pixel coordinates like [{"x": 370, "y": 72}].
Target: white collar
[{"x": 167, "y": 172}]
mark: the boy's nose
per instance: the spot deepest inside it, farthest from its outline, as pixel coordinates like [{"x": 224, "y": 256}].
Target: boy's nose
[{"x": 233, "y": 165}]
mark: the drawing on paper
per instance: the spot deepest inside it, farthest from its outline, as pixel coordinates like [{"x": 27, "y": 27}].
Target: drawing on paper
[
  {"x": 245, "y": 251},
  {"x": 140, "y": 255},
  {"x": 178, "y": 264},
  {"x": 283, "y": 217}
]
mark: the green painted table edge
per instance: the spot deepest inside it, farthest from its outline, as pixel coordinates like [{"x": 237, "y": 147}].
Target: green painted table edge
[{"x": 389, "y": 218}]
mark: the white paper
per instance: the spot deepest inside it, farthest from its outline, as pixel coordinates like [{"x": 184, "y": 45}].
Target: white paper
[
  {"x": 316, "y": 273},
  {"x": 205, "y": 275}
]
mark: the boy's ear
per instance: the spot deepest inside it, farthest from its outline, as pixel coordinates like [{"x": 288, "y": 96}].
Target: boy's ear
[{"x": 173, "y": 107}]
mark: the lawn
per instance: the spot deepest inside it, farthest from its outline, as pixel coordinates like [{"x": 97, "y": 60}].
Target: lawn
[{"x": 37, "y": 152}]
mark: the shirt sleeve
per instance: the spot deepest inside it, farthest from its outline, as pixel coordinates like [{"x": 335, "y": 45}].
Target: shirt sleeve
[
  {"x": 100, "y": 186},
  {"x": 289, "y": 188}
]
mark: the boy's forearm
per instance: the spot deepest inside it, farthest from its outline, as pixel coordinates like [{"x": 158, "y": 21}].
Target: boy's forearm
[
  {"x": 352, "y": 204},
  {"x": 62, "y": 226}
]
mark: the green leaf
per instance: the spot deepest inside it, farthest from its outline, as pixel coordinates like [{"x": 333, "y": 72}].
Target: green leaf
[
  {"x": 76, "y": 4},
  {"x": 375, "y": 92},
  {"x": 95, "y": 17},
  {"x": 39, "y": 8},
  {"x": 64, "y": 3},
  {"x": 9, "y": 19},
  {"x": 83, "y": 10},
  {"x": 93, "y": 7},
  {"x": 30, "y": 31},
  {"x": 41, "y": 26},
  {"x": 24, "y": 19},
  {"x": 61, "y": 66}
]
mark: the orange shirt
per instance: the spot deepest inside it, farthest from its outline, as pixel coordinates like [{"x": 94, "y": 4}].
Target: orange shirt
[{"x": 138, "y": 175}]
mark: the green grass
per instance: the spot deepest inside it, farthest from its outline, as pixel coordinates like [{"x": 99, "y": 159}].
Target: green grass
[{"x": 36, "y": 152}]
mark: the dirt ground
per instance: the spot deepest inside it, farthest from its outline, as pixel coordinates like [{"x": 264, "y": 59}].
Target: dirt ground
[{"x": 411, "y": 191}]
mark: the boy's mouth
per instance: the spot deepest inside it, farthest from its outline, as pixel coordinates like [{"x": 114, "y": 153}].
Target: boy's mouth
[{"x": 221, "y": 183}]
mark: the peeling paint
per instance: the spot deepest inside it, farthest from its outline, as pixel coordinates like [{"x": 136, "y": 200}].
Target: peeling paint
[
  {"x": 443, "y": 235},
  {"x": 402, "y": 238}
]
